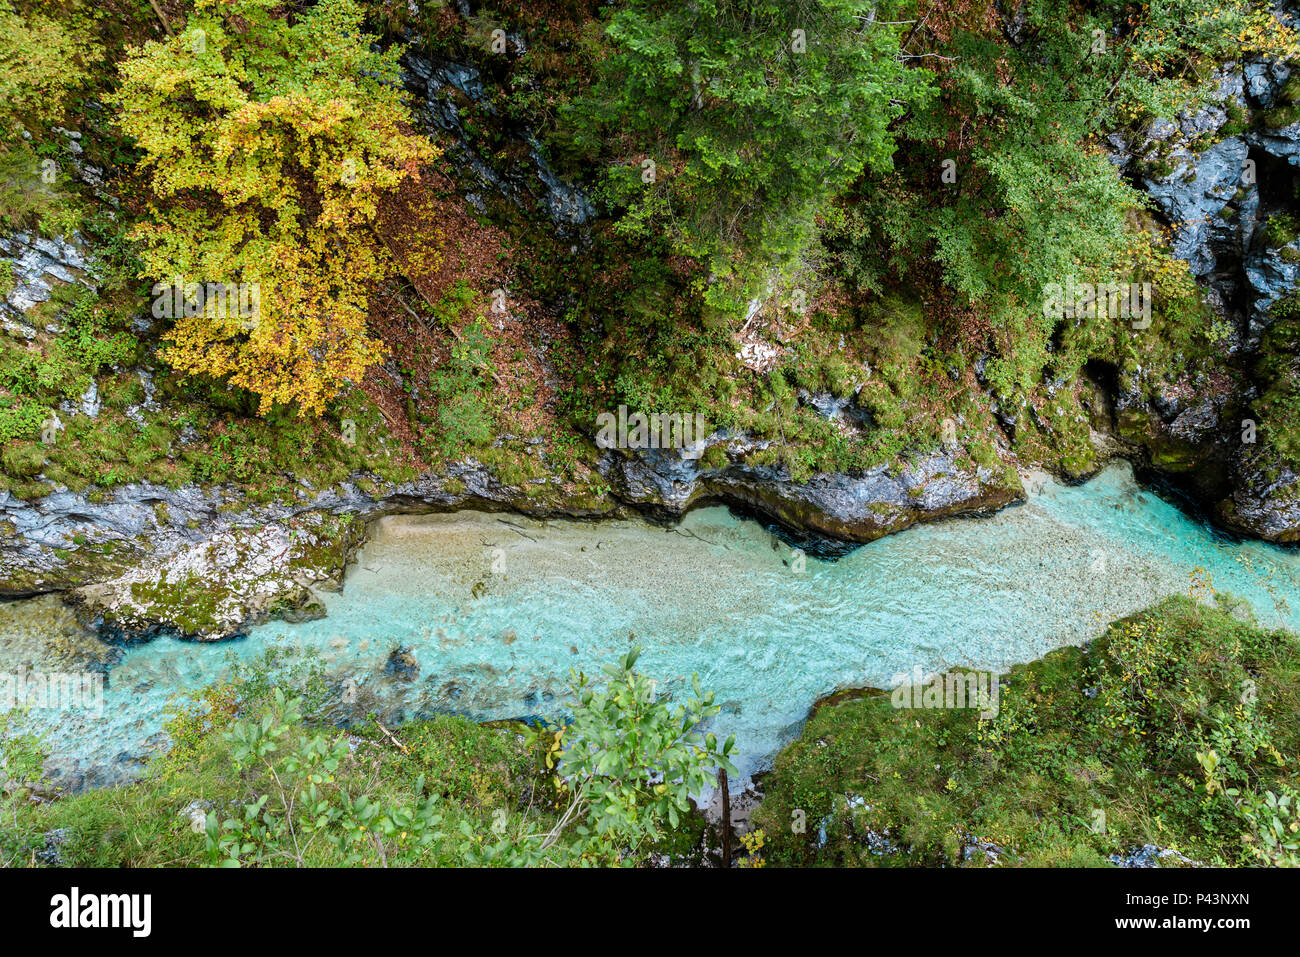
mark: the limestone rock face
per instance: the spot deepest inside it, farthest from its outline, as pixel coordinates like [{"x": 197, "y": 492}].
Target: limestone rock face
[
  {"x": 1218, "y": 174},
  {"x": 36, "y": 265},
  {"x": 1223, "y": 176},
  {"x": 1265, "y": 502},
  {"x": 852, "y": 508},
  {"x": 201, "y": 562}
]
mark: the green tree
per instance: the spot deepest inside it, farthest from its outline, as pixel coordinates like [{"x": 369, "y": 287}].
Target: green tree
[
  {"x": 737, "y": 121},
  {"x": 43, "y": 58},
  {"x": 629, "y": 762},
  {"x": 1002, "y": 180},
  {"x": 626, "y": 766}
]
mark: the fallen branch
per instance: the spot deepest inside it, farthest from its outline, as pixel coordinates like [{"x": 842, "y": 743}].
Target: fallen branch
[{"x": 404, "y": 749}]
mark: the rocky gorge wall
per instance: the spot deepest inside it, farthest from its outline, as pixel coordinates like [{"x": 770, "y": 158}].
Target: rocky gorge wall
[
  {"x": 137, "y": 557},
  {"x": 1225, "y": 179}
]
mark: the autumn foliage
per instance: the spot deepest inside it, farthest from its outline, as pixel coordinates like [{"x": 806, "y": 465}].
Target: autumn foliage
[{"x": 267, "y": 143}]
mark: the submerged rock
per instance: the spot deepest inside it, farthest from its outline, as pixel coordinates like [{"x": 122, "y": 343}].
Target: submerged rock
[{"x": 402, "y": 664}]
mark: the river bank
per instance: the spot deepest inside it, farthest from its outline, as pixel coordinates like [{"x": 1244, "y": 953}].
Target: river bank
[{"x": 483, "y": 614}]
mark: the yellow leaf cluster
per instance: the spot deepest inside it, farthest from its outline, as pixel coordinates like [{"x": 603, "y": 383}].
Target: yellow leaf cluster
[{"x": 267, "y": 148}]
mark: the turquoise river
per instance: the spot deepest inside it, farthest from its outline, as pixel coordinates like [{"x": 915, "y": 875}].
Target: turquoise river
[{"x": 496, "y": 609}]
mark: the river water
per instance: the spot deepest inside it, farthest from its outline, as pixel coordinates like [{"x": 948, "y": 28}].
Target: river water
[{"x": 495, "y": 609}]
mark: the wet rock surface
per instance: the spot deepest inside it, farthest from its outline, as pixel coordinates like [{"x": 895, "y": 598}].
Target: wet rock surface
[
  {"x": 1223, "y": 175},
  {"x": 854, "y": 508},
  {"x": 1264, "y": 504},
  {"x": 445, "y": 90},
  {"x": 198, "y": 563}
]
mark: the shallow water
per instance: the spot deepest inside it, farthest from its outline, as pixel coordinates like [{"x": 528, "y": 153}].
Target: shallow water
[{"x": 496, "y": 609}]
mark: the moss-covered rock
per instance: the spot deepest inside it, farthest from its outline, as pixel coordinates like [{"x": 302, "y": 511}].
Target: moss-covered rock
[
  {"x": 1084, "y": 744},
  {"x": 230, "y": 580}
]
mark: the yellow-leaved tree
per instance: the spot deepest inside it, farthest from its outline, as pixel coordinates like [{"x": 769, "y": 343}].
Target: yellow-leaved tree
[
  {"x": 268, "y": 138},
  {"x": 41, "y": 59}
]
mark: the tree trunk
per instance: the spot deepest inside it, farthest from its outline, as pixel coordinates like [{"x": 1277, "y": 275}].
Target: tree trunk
[{"x": 726, "y": 817}]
